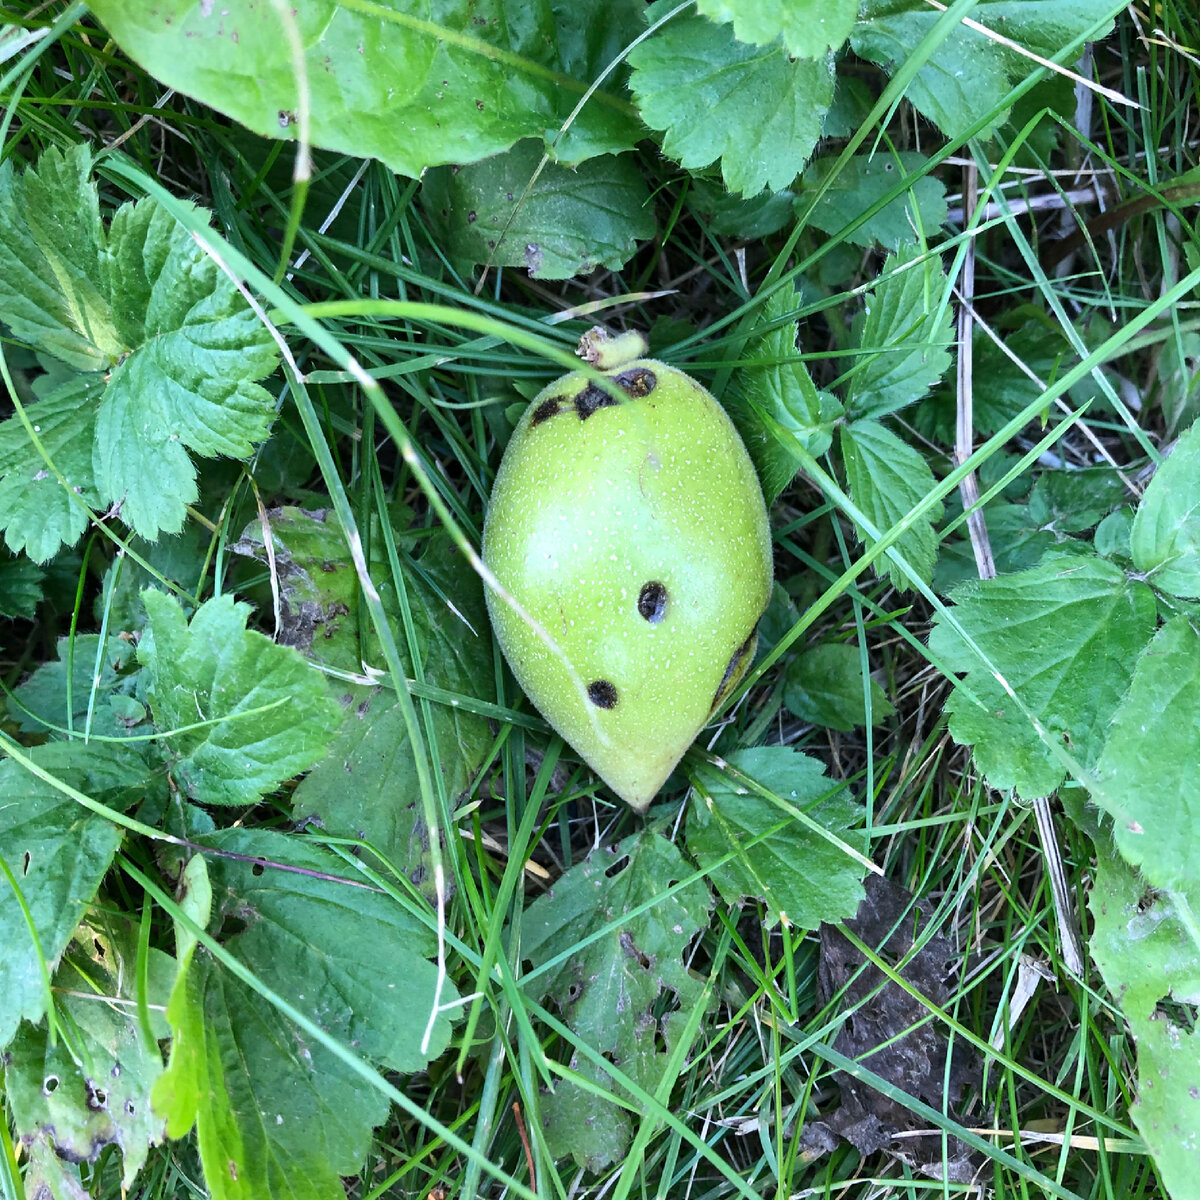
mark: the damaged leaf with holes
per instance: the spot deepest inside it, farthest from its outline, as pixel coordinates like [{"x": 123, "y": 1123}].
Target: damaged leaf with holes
[
  {"x": 91, "y": 1088},
  {"x": 56, "y": 852},
  {"x": 626, "y": 995}
]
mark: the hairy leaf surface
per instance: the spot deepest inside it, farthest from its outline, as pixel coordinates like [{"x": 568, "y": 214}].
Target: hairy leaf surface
[
  {"x": 238, "y": 715},
  {"x": 802, "y": 878},
  {"x": 1064, "y": 636},
  {"x": 755, "y": 108}
]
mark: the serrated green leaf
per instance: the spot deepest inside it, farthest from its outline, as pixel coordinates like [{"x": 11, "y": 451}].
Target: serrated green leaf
[
  {"x": 864, "y": 181},
  {"x": 180, "y": 350},
  {"x": 801, "y": 877},
  {"x": 732, "y": 216},
  {"x": 276, "y": 1118},
  {"x": 609, "y": 989},
  {"x": 774, "y": 401},
  {"x": 457, "y": 81},
  {"x": 809, "y": 28},
  {"x": 349, "y": 957},
  {"x": 887, "y": 478},
  {"x": 51, "y": 293},
  {"x": 189, "y": 385},
  {"x": 1165, "y": 539},
  {"x": 1145, "y": 778},
  {"x": 20, "y": 586},
  {"x": 825, "y": 686},
  {"x": 969, "y": 74},
  {"x": 263, "y": 714},
  {"x": 1064, "y": 636},
  {"x": 565, "y": 222},
  {"x": 903, "y": 336},
  {"x": 1146, "y": 955},
  {"x": 57, "y": 851},
  {"x": 36, "y": 511},
  {"x": 93, "y": 1092},
  {"x": 755, "y": 108}
]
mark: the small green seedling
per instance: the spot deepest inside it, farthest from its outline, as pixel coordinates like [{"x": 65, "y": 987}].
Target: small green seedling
[{"x": 628, "y": 525}]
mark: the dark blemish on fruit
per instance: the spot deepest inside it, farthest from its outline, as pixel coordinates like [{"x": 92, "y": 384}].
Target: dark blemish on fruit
[
  {"x": 638, "y": 382},
  {"x": 602, "y": 694},
  {"x": 590, "y": 399},
  {"x": 652, "y": 601},
  {"x": 546, "y": 410},
  {"x": 747, "y": 647}
]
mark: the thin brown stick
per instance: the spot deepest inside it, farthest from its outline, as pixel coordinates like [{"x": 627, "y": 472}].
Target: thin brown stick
[{"x": 516, "y": 1108}]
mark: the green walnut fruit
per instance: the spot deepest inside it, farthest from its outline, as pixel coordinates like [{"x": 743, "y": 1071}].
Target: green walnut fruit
[{"x": 627, "y": 523}]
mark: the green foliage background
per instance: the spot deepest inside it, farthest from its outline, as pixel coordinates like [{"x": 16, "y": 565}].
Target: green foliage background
[{"x": 299, "y": 893}]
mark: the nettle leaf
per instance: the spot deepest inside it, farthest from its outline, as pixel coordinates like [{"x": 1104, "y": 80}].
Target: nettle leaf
[
  {"x": 1065, "y": 636},
  {"x": 237, "y": 715},
  {"x": 278, "y": 1117},
  {"x": 1018, "y": 542},
  {"x": 887, "y": 478},
  {"x": 865, "y": 181},
  {"x": 351, "y": 958},
  {"x": 610, "y": 989},
  {"x": 1165, "y": 539},
  {"x": 80, "y": 1105},
  {"x": 564, "y": 222},
  {"x": 968, "y": 75},
  {"x": 756, "y": 109},
  {"x": 825, "y": 686},
  {"x": 52, "y": 294},
  {"x": 460, "y": 82},
  {"x": 1145, "y": 953},
  {"x": 774, "y": 402},
  {"x": 809, "y": 28},
  {"x": 58, "y": 852},
  {"x": 903, "y": 336},
  {"x": 1146, "y": 776},
  {"x": 37, "y": 512},
  {"x": 750, "y": 847},
  {"x": 173, "y": 351}
]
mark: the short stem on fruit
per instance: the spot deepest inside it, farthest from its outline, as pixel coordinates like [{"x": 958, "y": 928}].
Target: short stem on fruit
[{"x": 606, "y": 351}]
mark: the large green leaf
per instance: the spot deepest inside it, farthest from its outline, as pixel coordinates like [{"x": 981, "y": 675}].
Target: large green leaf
[
  {"x": 969, "y": 74},
  {"x": 448, "y": 81},
  {"x": 1146, "y": 777},
  {"x": 903, "y": 336},
  {"x": 52, "y": 294},
  {"x": 750, "y": 847},
  {"x": 756, "y": 109},
  {"x": 1146, "y": 955},
  {"x": 621, "y": 992},
  {"x": 37, "y": 512},
  {"x": 887, "y": 478},
  {"x": 809, "y": 28},
  {"x": 171, "y": 349},
  {"x": 278, "y": 1116},
  {"x": 237, "y": 714},
  {"x": 1165, "y": 539},
  {"x": 1064, "y": 637},
  {"x": 94, "y": 1091},
  {"x": 774, "y": 402},
  {"x": 58, "y": 852},
  {"x": 562, "y": 222},
  {"x": 20, "y": 584}
]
